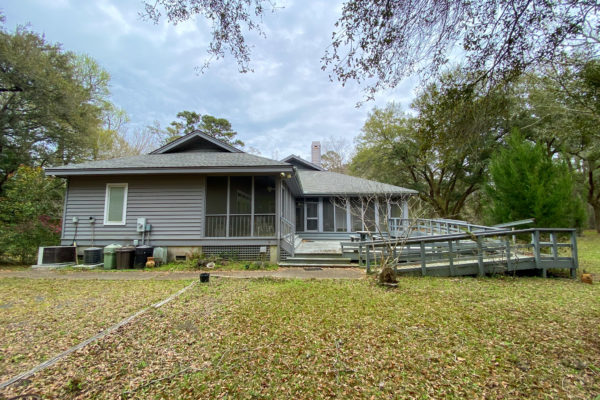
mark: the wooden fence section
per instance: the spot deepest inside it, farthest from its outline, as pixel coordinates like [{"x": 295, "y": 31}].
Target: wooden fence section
[{"x": 473, "y": 253}]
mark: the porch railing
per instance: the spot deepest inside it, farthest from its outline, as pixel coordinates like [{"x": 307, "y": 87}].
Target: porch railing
[
  {"x": 264, "y": 225},
  {"x": 288, "y": 235},
  {"x": 215, "y": 225},
  {"x": 240, "y": 225}
]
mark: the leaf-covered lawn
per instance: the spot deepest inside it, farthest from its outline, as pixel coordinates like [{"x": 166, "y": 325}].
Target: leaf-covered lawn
[
  {"x": 40, "y": 318},
  {"x": 508, "y": 338},
  {"x": 589, "y": 252}
]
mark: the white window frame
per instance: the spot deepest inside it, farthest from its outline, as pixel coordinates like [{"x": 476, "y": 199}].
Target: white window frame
[{"x": 106, "y": 203}]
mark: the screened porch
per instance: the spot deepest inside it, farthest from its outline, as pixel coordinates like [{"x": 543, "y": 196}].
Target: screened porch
[
  {"x": 240, "y": 206},
  {"x": 347, "y": 214}
]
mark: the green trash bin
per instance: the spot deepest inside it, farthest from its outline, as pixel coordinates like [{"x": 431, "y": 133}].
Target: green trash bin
[{"x": 110, "y": 256}]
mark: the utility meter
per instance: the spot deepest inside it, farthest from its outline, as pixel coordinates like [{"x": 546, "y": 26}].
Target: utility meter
[{"x": 141, "y": 225}]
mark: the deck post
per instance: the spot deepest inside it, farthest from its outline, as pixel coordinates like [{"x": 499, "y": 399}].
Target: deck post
[
  {"x": 360, "y": 254},
  {"x": 574, "y": 255},
  {"x": 481, "y": 268},
  {"x": 451, "y": 258},
  {"x": 508, "y": 255},
  {"x": 368, "y": 260},
  {"x": 554, "y": 246},
  {"x": 423, "y": 262},
  {"x": 535, "y": 236}
]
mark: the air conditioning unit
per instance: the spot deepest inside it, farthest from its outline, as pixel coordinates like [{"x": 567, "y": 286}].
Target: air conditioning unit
[
  {"x": 57, "y": 255},
  {"x": 92, "y": 256}
]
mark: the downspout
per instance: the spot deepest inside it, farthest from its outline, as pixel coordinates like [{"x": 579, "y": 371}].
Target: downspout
[
  {"x": 278, "y": 216},
  {"x": 64, "y": 216}
]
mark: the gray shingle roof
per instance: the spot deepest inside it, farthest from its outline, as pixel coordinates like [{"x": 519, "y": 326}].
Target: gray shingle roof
[
  {"x": 332, "y": 183},
  {"x": 312, "y": 182},
  {"x": 175, "y": 160}
]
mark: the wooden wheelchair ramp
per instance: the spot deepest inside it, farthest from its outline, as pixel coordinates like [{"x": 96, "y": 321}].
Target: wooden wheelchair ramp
[{"x": 479, "y": 253}]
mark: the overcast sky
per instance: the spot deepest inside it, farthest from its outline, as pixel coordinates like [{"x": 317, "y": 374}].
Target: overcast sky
[{"x": 280, "y": 108}]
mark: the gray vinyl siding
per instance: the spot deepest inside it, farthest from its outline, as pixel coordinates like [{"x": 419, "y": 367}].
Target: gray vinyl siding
[{"x": 173, "y": 205}]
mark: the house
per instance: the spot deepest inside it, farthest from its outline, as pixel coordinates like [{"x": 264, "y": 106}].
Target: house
[{"x": 197, "y": 192}]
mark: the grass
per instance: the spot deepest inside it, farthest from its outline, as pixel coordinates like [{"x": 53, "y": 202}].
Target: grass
[
  {"x": 40, "y": 318},
  {"x": 228, "y": 266},
  {"x": 430, "y": 338},
  {"x": 588, "y": 246},
  {"x": 452, "y": 338},
  {"x": 14, "y": 267}
]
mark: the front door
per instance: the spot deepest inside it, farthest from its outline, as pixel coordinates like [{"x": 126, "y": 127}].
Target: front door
[{"x": 312, "y": 215}]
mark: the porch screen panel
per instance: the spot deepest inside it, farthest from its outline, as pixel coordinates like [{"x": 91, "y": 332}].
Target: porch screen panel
[
  {"x": 328, "y": 217},
  {"x": 264, "y": 205},
  {"x": 216, "y": 206},
  {"x": 356, "y": 215},
  {"x": 299, "y": 215},
  {"x": 340, "y": 216},
  {"x": 369, "y": 210},
  {"x": 396, "y": 209},
  {"x": 240, "y": 206}
]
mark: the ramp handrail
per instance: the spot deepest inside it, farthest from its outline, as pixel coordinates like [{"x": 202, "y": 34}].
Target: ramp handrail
[
  {"x": 473, "y": 244},
  {"x": 398, "y": 226}
]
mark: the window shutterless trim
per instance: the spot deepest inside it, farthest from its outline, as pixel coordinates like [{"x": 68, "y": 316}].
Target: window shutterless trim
[{"x": 106, "y": 203}]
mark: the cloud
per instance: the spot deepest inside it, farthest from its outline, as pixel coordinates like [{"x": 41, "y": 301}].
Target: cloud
[{"x": 280, "y": 108}]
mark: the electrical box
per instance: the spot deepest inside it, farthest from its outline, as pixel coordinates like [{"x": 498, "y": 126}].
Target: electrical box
[{"x": 141, "y": 225}]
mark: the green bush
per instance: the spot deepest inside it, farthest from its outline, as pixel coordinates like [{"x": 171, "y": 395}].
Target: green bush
[
  {"x": 525, "y": 182},
  {"x": 30, "y": 213}
]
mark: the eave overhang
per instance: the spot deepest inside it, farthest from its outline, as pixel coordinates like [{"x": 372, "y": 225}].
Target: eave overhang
[{"x": 178, "y": 170}]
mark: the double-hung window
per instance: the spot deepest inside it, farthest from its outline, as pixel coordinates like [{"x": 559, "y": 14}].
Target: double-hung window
[{"x": 115, "y": 204}]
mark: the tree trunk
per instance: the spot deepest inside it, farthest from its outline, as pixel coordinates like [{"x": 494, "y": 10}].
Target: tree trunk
[{"x": 596, "y": 208}]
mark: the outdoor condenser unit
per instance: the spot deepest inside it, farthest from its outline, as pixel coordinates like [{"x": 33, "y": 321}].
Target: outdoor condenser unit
[
  {"x": 92, "y": 255},
  {"x": 57, "y": 255}
]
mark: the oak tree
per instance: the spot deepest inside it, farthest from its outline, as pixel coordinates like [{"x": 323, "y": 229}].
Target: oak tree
[
  {"x": 49, "y": 108},
  {"x": 382, "y": 42}
]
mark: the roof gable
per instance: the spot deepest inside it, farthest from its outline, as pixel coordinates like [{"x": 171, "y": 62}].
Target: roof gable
[
  {"x": 194, "y": 142},
  {"x": 301, "y": 163}
]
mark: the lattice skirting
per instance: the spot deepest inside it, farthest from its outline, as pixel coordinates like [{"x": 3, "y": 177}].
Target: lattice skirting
[
  {"x": 283, "y": 255},
  {"x": 245, "y": 253}
]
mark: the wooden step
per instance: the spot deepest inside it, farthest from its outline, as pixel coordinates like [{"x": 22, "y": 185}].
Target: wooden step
[
  {"x": 295, "y": 264},
  {"x": 318, "y": 255},
  {"x": 317, "y": 260}
]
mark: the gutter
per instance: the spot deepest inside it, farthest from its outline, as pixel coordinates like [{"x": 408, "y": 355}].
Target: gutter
[{"x": 172, "y": 170}]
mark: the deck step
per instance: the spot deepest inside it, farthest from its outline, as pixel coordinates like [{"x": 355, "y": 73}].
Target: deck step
[
  {"x": 299, "y": 265},
  {"x": 318, "y": 255},
  {"x": 318, "y": 260}
]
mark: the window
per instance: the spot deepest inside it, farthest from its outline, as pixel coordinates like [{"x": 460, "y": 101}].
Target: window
[{"x": 115, "y": 204}]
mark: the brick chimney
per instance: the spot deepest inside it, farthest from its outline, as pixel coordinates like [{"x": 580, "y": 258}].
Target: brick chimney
[{"x": 315, "y": 152}]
